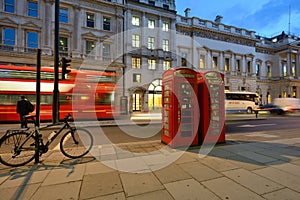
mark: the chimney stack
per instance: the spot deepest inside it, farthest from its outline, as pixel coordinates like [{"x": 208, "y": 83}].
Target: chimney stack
[
  {"x": 218, "y": 19},
  {"x": 187, "y": 12}
]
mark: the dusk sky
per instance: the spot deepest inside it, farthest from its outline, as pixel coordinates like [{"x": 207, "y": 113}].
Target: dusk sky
[{"x": 265, "y": 17}]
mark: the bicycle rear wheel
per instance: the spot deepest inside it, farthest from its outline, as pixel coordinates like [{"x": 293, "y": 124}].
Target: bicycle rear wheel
[
  {"x": 76, "y": 143},
  {"x": 8, "y": 149}
]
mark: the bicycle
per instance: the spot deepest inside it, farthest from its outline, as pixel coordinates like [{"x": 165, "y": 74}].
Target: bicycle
[{"x": 20, "y": 146}]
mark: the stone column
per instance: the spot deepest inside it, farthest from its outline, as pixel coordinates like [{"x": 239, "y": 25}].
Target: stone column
[
  {"x": 288, "y": 64},
  {"x": 76, "y": 39},
  {"x": 232, "y": 65},
  {"x": 221, "y": 62}
]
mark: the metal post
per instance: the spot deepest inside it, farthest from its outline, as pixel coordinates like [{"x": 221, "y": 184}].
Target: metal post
[
  {"x": 38, "y": 93},
  {"x": 38, "y": 87},
  {"x": 55, "y": 103}
]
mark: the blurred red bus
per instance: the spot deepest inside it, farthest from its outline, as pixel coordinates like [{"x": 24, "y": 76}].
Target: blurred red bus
[{"x": 84, "y": 93}]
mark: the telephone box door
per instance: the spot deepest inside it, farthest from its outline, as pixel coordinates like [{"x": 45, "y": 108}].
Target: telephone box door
[
  {"x": 212, "y": 107},
  {"x": 180, "y": 107}
]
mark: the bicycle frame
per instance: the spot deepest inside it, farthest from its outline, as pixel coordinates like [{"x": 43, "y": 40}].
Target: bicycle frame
[{"x": 36, "y": 132}]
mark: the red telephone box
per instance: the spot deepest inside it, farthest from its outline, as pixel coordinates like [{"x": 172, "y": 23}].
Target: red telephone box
[
  {"x": 212, "y": 107},
  {"x": 180, "y": 111}
]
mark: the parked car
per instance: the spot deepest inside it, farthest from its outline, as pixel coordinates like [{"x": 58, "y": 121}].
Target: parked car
[{"x": 272, "y": 109}]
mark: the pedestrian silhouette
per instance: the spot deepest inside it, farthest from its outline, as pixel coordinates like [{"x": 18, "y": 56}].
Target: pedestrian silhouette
[{"x": 24, "y": 107}]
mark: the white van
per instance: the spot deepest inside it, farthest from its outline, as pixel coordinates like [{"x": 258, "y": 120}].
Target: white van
[{"x": 287, "y": 104}]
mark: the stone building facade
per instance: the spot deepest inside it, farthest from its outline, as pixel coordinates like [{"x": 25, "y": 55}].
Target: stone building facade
[{"x": 140, "y": 39}]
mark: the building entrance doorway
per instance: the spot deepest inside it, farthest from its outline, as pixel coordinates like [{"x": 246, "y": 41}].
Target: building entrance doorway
[{"x": 155, "y": 95}]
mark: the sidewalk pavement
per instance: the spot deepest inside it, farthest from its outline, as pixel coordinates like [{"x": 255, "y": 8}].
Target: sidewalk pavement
[{"x": 261, "y": 165}]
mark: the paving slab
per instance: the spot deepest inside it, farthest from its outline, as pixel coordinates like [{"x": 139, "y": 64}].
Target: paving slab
[
  {"x": 25, "y": 177},
  {"x": 199, "y": 171},
  {"x": 171, "y": 173},
  {"x": 252, "y": 181},
  {"x": 21, "y": 192},
  {"x": 218, "y": 164},
  {"x": 189, "y": 189},
  {"x": 284, "y": 194},
  {"x": 117, "y": 196},
  {"x": 228, "y": 189},
  {"x": 65, "y": 174},
  {"x": 68, "y": 190},
  {"x": 159, "y": 194},
  {"x": 284, "y": 178},
  {"x": 135, "y": 184},
  {"x": 95, "y": 185},
  {"x": 96, "y": 168}
]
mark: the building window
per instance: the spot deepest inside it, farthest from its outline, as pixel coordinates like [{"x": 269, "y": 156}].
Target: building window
[
  {"x": 106, "y": 52},
  {"x": 215, "y": 62},
  {"x": 151, "y": 23},
  {"x": 284, "y": 70},
  {"x": 257, "y": 69},
  {"x": 227, "y": 65},
  {"x": 166, "y": 45},
  {"x": 63, "y": 15},
  {"x": 151, "y": 43},
  {"x": 32, "y": 40},
  {"x": 166, "y": 7},
  {"x": 238, "y": 66},
  {"x": 135, "y": 40},
  {"x": 136, "y": 62},
  {"x": 166, "y": 65},
  {"x": 137, "y": 78},
  {"x": 9, "y": 6},
  {"x": 135, "y": 21},
  {"x": 269, "y": 71},
  {"x": 90, "y": 45},
  {"x": 202, "y": 61},
  {"x": 32, "y": 7},
  {"x": 9, "y": 36},
  {"x": 152, "y": 3},
  {"x": 106, "y": 23},
  {"x": 249, "y": 67},
  {"x": 293, "y": 70},
  {"x": 183, "y": 59},
  {"x": 151, "y": 64},
  {"x": 63, "y": 44},
  {"x": 165, "y": 26},
  {"x": 90, "y": 20}
]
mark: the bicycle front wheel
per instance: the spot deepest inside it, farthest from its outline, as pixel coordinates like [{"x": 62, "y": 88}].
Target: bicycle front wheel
[
  {"x": 76, "y": 143},
  {"x": 12, "y": 154}
]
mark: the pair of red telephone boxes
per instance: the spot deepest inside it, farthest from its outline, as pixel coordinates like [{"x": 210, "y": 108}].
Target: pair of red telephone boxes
[{"x": 193, "y": 110}]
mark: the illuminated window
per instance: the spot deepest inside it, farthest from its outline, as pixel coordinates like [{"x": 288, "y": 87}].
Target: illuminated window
[
  {"x": 151, "y": 64},
  {"x": 151, "y": 43},
  {"x": 284, "y": 70},
  {"x": 166, "y": 65},
  {"x": 137, "y": 78},
  {"x": 135, "y": 21},
  {"x": 202, "y": 61},
  {"x": 135, "y": 40},
  {"x": 227, "y": 65},
  {"x": 165, "y": 45},
  {"x": 136, "y": 62},
  {"x": 269, "y": 71},
  {"x": 165, "y": 26},
  {"x": 151, "y": 23}
]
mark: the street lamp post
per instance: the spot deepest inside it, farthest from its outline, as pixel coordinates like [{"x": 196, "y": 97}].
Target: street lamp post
[{"x": 55, "y": 103}]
